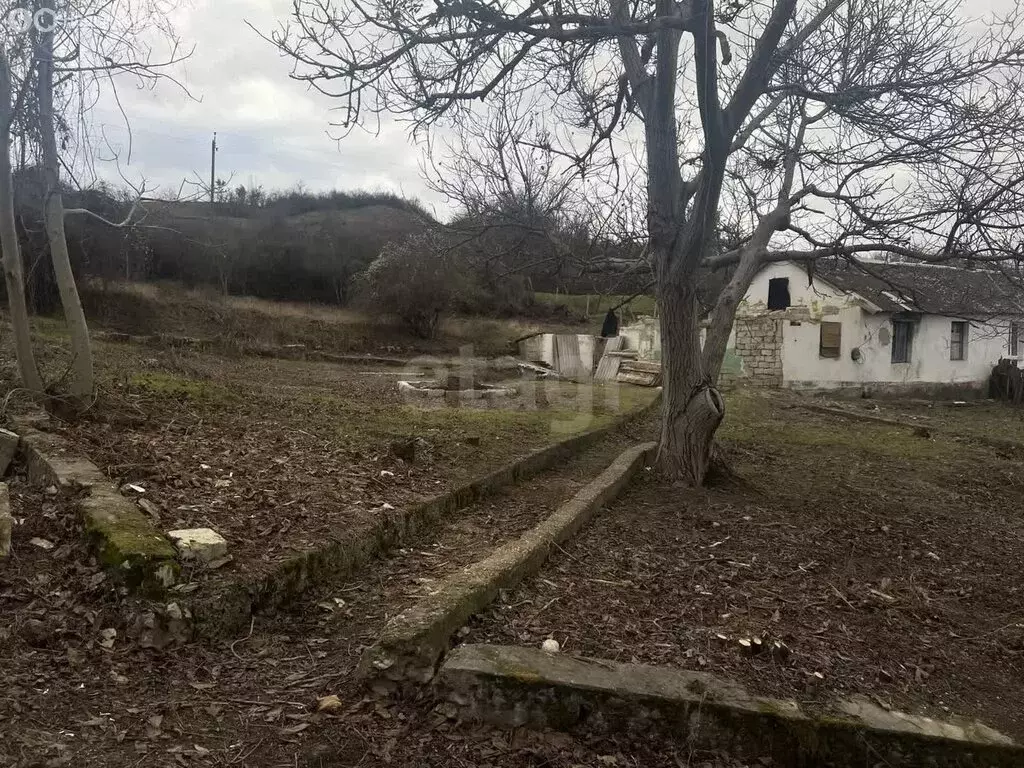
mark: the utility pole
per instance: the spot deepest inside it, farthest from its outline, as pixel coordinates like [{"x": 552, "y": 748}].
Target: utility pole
[{"x": 213, "y": 167}]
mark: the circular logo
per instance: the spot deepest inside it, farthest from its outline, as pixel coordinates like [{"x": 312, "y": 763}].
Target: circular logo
[
  {"x": 46, "y": 20},
  {"x": 19, "y": 20}
]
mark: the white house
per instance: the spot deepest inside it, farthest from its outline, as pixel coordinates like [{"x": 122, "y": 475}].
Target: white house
[{"x": 886, "y": 326}]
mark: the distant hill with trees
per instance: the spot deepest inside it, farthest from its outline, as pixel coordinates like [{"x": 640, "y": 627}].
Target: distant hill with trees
[{"x": 293, "y": 244}]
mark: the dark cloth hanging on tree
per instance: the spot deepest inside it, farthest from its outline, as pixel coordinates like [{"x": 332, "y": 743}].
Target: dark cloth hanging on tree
[{"x": 611, "y": 325}]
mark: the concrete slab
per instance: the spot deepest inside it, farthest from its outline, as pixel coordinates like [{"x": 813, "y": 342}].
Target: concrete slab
[
  {"x": 516, "y": 687},
  {"x": 125, "y": 539},
  {"x": 8, "y": 448}
]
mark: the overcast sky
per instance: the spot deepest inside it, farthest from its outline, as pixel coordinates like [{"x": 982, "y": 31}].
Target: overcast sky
[{"x": 271, "y": 130}]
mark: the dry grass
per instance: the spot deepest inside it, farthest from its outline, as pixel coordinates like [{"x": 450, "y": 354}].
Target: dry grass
[{"x": 244, "y": 320}]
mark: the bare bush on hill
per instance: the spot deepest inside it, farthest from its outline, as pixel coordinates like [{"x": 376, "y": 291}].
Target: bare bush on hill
[{"x": 417, "y": 280}]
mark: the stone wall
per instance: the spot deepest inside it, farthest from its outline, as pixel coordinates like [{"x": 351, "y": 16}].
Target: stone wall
[{"x": 757, "y": 353}]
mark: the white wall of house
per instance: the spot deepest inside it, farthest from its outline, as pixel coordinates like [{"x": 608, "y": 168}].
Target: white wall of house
[
  {"x": 871, "y": 334},
  {"x": 818, "y": 297}
]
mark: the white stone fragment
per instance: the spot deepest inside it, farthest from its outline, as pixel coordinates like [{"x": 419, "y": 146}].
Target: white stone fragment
[
  {"x": 550, "y": 646},
  {"x": 203, "y": 544}
]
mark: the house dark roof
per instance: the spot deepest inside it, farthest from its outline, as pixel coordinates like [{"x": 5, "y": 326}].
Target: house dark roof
[{"x": 931, "y": 288}]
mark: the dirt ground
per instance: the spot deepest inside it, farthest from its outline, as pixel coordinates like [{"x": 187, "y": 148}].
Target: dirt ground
[
  {"x": 78, "y": 693},
  {"x": 279, "y": 456},
  {"x": 883, "y": 562}
]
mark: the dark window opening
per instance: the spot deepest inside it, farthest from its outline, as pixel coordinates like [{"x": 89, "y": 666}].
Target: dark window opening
[
  {"x": 778, "y": 293},
  {"x": 831, "y": 340},
  {"x": 958, "y": 340},
  {"x": 902, "y": 340}
]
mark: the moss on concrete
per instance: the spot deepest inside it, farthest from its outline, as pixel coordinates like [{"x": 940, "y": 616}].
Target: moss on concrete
[
  {"x": 125, "y": 539},
  {"x": 524, "y": 686}
]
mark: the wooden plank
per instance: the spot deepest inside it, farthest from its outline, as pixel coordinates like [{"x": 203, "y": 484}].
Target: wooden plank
[
  {"x": 640, "y": 379},
  {"x": 608, "y": 368},
  {"x": 641, "y": 366}
]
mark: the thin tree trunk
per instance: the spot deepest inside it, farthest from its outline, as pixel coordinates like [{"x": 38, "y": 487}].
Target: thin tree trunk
[
  {"x": 692, "y": 407},
  {"x": 723, "y": 315},
  {"x": 82, "y": 384},
  {"x": 14, "y": 277}
]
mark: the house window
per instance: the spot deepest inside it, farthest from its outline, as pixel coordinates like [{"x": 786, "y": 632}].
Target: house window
[
  {"x": 778, "y": 293},
  {"x": 1014, "y": 339},
  {"x": 831, "y": 340},
  {"x": 902, "y": 340},
  {"x": 958, "y": 340}
]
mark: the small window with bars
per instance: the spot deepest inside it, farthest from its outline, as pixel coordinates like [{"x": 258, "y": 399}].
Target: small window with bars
[
  {"x": 830, "y": 343},
  {"x": 902, "y": 340},
  {"x": 958, "y": 340}
]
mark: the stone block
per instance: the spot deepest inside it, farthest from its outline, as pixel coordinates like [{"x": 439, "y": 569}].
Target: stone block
[
  {"x": 126, "y": 540},
  {"x": 202, "y": 544},
  {"x": 8, "y": 447}
]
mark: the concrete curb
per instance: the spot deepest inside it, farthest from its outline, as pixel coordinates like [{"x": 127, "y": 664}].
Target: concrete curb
[
  {"x": 414, "y": 641},
  {"x": 1010, "y": 446},
  {"x": 227, "y": 611},
  {"x": 456, "y": 396},
  {"x": 514, "y": 687},
  {"x": 125, "y": 539}
]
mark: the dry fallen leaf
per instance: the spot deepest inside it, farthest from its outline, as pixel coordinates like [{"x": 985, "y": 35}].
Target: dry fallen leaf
[{"x": 328, "y": 704}]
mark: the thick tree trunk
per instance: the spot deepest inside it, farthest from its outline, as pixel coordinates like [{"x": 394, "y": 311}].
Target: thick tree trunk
[
  {"x": 13, "y": 272},
  {"x": 82, "y": 384},
  {"x": 692, "y": 407}
]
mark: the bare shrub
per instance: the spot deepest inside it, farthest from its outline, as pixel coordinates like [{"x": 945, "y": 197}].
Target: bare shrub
[{"x": 417, "y": 280}]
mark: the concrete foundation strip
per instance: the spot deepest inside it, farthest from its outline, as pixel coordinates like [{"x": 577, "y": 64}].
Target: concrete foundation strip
[
  {"x": 227, "y": 611},
  {"x": 127, "y": 542},
  {"x": 414, "y": 641},
  {"x": 513, "y": 687},
  {"x": 1010, "y": 446}
]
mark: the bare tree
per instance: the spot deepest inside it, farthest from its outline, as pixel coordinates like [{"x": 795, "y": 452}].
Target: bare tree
[
  {"x": 83, "y": 48},
  {"x": 12, "y": 93},
  {"x": 524, "y": 207},
  {"x": 875, "y": 99}
]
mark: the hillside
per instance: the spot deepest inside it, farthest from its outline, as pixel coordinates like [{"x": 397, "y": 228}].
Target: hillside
[{"x": 311, "y": 256}]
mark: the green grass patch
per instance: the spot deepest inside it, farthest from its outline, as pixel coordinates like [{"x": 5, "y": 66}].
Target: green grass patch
[
  {"x": 50, "y": 328},
  {"x": 753, "y": 419},
  {"x": 180, "y": 388}
]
